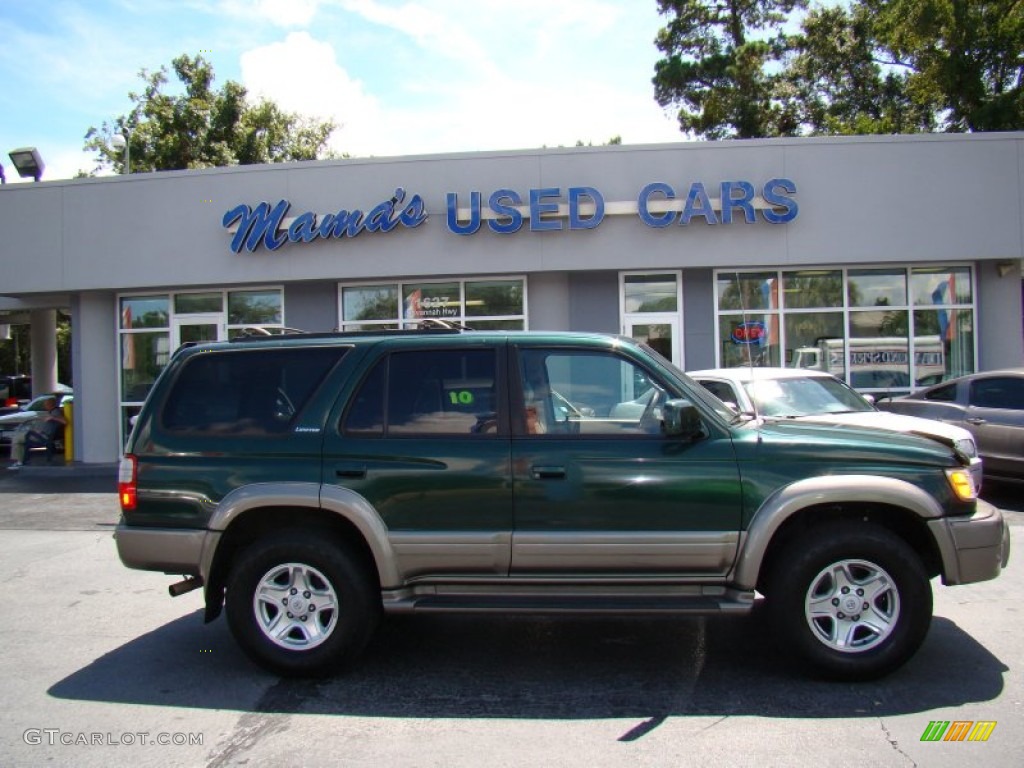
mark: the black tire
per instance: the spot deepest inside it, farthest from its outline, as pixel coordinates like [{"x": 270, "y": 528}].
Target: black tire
[
  {"x": 851, "y": 600},
  {"x": 301, "y": 604}
]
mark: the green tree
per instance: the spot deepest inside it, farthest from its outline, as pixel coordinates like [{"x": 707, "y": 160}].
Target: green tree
[
  {"x": 863, "y": 66},
  {"x": 203, "y": 127},
  {"x": 722, "y": 66},
  {"x": 964, "y": 58},
  {"x": 838, "y": 84}
]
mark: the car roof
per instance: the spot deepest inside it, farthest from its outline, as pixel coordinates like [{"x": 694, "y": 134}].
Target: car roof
[
  {"x": 967, "y": 377},
  {"x": 430, "y": 336},
  {"x": 759, "y": 373}
]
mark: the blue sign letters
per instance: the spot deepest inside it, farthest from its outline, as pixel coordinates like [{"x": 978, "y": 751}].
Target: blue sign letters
[{"x": 658, "y": 205}]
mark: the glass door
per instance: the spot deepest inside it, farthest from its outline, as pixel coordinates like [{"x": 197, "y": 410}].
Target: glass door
[
  {"x": 198, "y": 328},
  {"x": 652, "y": 305},
  {"x": 659, "y": 332}
]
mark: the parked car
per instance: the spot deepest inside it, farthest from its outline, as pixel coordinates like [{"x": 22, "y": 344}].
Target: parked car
[
  {"x": 308, "y": 484},
  {"x": 989, "y": 404},
  {"x": 10, "y": 422},
  {"x": 808, "y": 395},
  {"x": 15, "y": 390}
]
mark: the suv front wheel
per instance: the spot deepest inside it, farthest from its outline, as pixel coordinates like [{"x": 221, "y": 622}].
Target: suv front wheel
[
  {"x": 852, "y": 599},
  {"x": 301, "y": 604}
]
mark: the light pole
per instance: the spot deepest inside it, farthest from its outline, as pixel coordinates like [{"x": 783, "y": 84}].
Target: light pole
[{"x": 120, "y": 141}]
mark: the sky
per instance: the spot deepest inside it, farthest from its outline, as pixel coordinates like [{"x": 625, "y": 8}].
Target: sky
[{"x": 399, "y": 77}]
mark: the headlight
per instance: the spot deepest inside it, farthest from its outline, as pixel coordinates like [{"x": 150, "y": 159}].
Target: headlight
[
  {"x": 967, "y": 447},
  {"x": 962, "y": 483}
]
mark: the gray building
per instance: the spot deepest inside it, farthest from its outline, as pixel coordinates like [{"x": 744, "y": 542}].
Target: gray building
[{"x": 891, "y": 261}]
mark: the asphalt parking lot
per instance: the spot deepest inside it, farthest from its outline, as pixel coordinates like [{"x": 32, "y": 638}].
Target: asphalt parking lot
[{"x": 100, "y": 664}]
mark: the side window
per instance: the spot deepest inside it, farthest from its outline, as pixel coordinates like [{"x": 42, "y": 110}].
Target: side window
[
  {"x": 587, "y": 393},
  {"x": 365, "y": 416},
  {"x": 721, "y": 390},
  {"x": 945, "y": 394},
  {"x": 998, "y": 392},
  {"x": 246, "y": 392},
  {"x": 425, "y": 393}
]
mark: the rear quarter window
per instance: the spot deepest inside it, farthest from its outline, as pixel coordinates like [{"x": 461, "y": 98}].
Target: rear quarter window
[{"x": 246, "y": 392}]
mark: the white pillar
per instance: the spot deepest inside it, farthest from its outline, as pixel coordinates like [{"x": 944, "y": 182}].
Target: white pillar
[
  {"x": 94, "y": 360},
  {"x": 43, "y": 339}
]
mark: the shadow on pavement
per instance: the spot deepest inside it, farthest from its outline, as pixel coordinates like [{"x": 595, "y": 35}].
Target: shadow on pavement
[{"x": 530, "y": 668}]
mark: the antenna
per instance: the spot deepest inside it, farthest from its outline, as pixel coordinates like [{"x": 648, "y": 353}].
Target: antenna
[
  {"x": 748, "y": 345},
  {"x": 746, "y": 319}
]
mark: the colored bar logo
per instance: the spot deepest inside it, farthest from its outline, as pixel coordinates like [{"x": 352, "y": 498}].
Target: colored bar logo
[{"x": 958, "y": 730}]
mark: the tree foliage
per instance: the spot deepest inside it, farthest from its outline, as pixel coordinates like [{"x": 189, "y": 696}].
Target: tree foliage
[
  {"x": 863, "y": 66},
  {"x": 203, "y": 127},
  {"x": 721, "y": 66}
]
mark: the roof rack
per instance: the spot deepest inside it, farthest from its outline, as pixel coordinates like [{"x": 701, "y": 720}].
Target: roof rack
[
  {"x": 257, "y": 330},
  {"x": 423, "y": 327}
]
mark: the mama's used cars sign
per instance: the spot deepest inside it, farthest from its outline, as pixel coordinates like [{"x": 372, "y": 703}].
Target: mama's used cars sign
[{"x": 506, "y": 211}]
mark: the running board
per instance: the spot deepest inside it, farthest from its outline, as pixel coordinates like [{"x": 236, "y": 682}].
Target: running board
[{"x": 732, "y": 603}]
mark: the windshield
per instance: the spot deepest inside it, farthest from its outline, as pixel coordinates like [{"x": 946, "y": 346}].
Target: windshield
[{"x": 804, "y": 396}]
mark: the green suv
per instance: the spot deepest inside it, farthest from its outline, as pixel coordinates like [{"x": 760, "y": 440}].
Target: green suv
[{"x": 311, "y": 482}]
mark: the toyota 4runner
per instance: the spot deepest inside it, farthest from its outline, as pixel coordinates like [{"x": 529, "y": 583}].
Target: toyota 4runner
[{"x": 309, "y": 483}]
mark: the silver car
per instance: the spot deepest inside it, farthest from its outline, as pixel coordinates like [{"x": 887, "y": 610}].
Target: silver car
[
  {"x": 808, "y": 395},
  {"x": 990, "y": 405}
]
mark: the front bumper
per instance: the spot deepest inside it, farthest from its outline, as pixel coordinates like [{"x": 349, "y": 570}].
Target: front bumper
[{"x": 973, "y": 548}]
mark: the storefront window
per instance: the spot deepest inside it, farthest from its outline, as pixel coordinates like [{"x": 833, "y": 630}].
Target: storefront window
[
  {"x": 143, "y": 356},
  {"x": 813, "y": 288},
  {"x": 370, "y": 302},
  {"x": 941, "y": 286},
  {"x": 650, "y": 293},
  {"x": 749, "y": 339},
  {"x": 145, "y": 311},
  {"x": 746, "y": 291},
  {"x": 944, "y": 344},
  {"x": 748, "y": 336},
  {"x": 807, "y": 334},
  {"x": 879, "y": 350},
  {"x": 263, "y": 307},
  {"x": 877, "y": 287},
  {"x": 888, "y": 329},
  {"x": 441, "y": 301},
  {"x": 486, "y": 304},
  {"x": 198, "y": 303},
  {"x": 488, "y": 298}
]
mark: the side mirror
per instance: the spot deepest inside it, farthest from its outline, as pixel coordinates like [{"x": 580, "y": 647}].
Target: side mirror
[{"x": 681, "y": 419}]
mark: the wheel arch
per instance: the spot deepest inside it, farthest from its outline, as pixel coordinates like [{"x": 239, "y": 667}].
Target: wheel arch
[
  {"x": 254, "y": 511},
  {"x": 893, "y": 504}
]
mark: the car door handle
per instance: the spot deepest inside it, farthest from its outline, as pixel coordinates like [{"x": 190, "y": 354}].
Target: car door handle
[
  {"x": 350, "y": 472},
  {"x": 975, "y": 420},
  {"x": 548, "y": 473}
]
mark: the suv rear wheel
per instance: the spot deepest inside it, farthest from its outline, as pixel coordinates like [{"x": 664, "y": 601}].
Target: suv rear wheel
[
  {"x": 301, "y": 604},
  {"x": 851, "y": 599}
]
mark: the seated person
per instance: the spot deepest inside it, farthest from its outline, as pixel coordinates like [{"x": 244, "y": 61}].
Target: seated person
[
  {"x": 535, "y": 421},
  {"x": 40, "y": 432}
]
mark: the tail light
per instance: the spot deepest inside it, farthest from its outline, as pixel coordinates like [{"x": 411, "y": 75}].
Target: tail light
[{"x": 127, "y": 483}]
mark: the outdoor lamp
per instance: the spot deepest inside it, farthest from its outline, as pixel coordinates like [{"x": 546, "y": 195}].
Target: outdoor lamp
[{"x": 28, "y": 162}]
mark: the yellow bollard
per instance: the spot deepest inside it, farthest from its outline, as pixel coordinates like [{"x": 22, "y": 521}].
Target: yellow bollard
[{"x": 69, "y": 433}]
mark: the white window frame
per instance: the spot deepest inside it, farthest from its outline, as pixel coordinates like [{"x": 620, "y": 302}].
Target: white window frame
[{"x": 654, "y": 318}]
